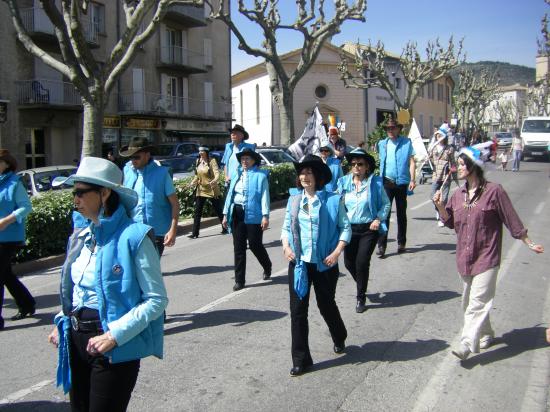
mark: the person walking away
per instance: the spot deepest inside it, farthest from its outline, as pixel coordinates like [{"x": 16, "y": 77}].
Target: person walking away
[
  {"x": 442, "y": 157},
  {"x": 397, "y": 168},
  {"x": 367, "y": 207},
  {"x": 236, "y": 145},
  {"x": 15, "y": 206},
  {"x": 479, "y": 204},
  {"x": 335, "y": 165},
  {"x": 315, "y": 231},
  {"x": 112, "y": 294},
  {"x": 517, "y": 149},
  {"x": 158, "y": 204},
  {"x": 246, "y": 214},
  {"x": 206, "y": 186}
]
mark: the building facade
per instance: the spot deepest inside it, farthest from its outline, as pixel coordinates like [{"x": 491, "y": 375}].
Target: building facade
[
  {"x": 361, "y": 110},
  {"x": 172, "y": 90},
  {"x": 507, "y": 111}
]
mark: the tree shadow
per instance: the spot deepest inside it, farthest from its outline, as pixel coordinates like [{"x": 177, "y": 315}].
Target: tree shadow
[
  {"x": 510, "y": 345},
  {"x": 432, "y": 246},
  {"x": 274, "y": 280},
  {"x": 273, "y": 243},
  {"x": 237, "y": 317},
  {"x": 36, "y": 406},
  {"x": 199, "y": 270},
  {"x": 389, "y": 351},
  {"x": 409, "y": 297}
]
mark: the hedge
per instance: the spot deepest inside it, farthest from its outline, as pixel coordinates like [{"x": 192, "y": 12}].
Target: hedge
[{"x": 49, "y": 224}]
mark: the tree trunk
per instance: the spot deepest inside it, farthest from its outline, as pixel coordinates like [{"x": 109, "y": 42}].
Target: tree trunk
[
  {"x": 92, "y": 130},
  {"x": 285, "y": 102}
]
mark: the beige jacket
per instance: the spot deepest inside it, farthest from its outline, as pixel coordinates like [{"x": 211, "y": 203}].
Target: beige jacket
[{"x": 206, "y": 179}]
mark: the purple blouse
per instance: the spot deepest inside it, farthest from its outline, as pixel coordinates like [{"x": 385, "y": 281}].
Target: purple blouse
[{"x": 479, "y": 228}]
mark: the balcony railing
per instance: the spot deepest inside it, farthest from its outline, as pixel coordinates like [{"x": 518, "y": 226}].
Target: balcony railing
[
  {"x": 35, "y": 20},
  {"x": 153, "y": 103},
  {"x": 191, "y": 15},
  {"x": 47, "y": 92},
  {"x": 178, "y": 56}
]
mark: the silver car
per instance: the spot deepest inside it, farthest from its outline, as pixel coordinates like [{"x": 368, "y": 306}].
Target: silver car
[
  {"x": 273, "y": 157},
  {"x": 39, "y": 180}
]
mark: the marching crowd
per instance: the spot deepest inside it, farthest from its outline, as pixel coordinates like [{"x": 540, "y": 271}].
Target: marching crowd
[{"x": 113, "y": 297}]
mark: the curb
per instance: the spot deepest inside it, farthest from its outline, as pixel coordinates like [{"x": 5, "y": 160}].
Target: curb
[{"x": 184, "y": 226}]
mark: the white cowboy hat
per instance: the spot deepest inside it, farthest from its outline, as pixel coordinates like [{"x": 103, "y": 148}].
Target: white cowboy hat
[{"x": 102, "y": 172}]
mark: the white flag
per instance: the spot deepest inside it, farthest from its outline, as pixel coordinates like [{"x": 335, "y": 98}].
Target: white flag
[
  {"x": 308, "y": 143},
  {"x": 418, "y": 145}
]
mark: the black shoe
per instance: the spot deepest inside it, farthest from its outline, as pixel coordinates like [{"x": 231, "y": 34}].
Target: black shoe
[
  {"x": 238, "y": 286},
  {"x": 267, "y": 274},
  {"x": 192, "y": 236},
  {"x": 339, "y": 348},
  {"x": 360, "y": 307},
  {"x": 224, "y": 231},
  {"x": 23, "y": 313},
  {"x": 298, "y": 370},
  {"x": 381, "y": 251},
  {"x": 401, "y": 249}
]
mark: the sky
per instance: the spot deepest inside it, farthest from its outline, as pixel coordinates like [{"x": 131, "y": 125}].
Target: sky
[{"x": 496, "y": 30}]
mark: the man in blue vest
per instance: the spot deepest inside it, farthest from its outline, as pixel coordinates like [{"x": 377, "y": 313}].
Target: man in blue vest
[
  {"x": 397, "y": 168},
  {"x": 157, "y": 201},
  {"x": 236, "y": 145}
]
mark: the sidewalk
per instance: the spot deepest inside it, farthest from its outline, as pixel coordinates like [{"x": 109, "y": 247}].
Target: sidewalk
[{"x": 184, "y": 227}]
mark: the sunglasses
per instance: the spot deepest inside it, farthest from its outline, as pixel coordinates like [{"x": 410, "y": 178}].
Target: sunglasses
[
  {"x": 391, "y": 127},
  {"x": 358, "y": 164},
  {"x": 325, "y": 150},
  {"x": 81, "y": 192},
  {"x": 135, "y": 157}
]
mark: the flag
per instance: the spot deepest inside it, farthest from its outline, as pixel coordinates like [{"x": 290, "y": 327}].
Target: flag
[
  {"x": 418, "y": 145},
  {"x": 313, "y": 133}
]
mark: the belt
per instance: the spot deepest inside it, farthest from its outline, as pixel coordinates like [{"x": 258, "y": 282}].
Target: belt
[{"x": 85, "y": 326}]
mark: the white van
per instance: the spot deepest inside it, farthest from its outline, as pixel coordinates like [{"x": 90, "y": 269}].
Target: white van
[{"x": 535, "y": 132}]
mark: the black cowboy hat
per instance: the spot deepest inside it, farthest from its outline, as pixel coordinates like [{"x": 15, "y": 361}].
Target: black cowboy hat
[
  {"x": 239, "y": 128},
  {"x": 317, "y": 165},
  {"x": 249, "y": 152},
  {"x": 364, "y": 155},
  {"x": 393, "y": 122},
  {"x": 137, "y": 144}
]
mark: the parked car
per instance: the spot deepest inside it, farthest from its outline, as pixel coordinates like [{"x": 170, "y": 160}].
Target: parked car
[
  {"x": 180, "y": 167},
  {"x": 169, "y": 150},
  {"x": 272, "y": 157},
  {"x": 39, "y": 180}
]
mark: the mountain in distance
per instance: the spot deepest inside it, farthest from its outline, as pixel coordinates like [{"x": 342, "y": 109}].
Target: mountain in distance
[{"x": 508, "y": 73}]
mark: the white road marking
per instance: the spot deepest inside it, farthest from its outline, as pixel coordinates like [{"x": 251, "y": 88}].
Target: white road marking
[
  {"x": 421, "y": 204},
  {"x": 539, "y": 208},
  {"x": 24, "y": 392},
  {"x": 221, "y": 300}
]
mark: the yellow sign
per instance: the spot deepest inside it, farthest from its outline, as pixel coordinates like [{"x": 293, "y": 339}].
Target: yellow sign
[
  {"x": 403, "y": 117},
  {"x": 139, "y": 123},
  {"x": 111, "y": 122}
]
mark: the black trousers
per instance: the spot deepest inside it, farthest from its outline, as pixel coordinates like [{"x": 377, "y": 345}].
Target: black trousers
[
  {"x": 98, "y": 385},
  {"x": 242, "y": 233},
  {"x": 159, "y": 243},
  {"x": 324, "y": 284},
  {"x": 21, "y": 295},
  {"x": 357, "y": 255},
  {"x": 399, "y": 193},
  {"x": 199, "y": 205}
]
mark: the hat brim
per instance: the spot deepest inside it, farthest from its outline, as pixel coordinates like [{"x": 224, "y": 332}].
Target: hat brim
[
  {"x": 128, "y": 197},
  {"x": 257, "y": 158},
  {"x": 244, "y": 132},
  {"x": 318, "y": 166},
  {"x": 126, "y": 151}
]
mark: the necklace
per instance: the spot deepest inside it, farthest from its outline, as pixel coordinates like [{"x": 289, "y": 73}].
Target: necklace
[{"x": 471, "y": 203}]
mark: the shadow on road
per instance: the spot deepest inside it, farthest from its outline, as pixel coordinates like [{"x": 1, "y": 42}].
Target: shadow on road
[
  {"x": 391, "y": 351},
  {"x": 510, "y": 345},
  {"x": 236, "y": 317},
  {"x": 199, "y": 270},
  {"x": 273, "y": 243},
  {"x": 38, "y": 319},
  {"x": 36, "y": 406},
  {"x": 431, "y": 246},
  {"x": 409, "y": 297}
]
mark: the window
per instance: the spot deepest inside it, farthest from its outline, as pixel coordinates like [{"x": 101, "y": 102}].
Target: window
[
  {"x": 448, "y": 94},
  {"x": 421, "y": 92},
  {"x": 421, "y": 124},
  {"x": 431, "y": 90},
  {"x": 257, "y": 104},
  {"x": 439, "y": 92},
  {"x": 35, "y": 148},
  {"x": 321, "y": 92},
  {"x": 97, "y": 17},
  {"x": 208, "y": 98},
  {"x": 397, "y": 83}
]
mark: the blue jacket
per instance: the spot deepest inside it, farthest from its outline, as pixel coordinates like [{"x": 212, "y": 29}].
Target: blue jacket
[
  {"x": 14, "y": 232},
  {"x": 375, "y": 198},
  {"x": 335, "y": 167},
  {"x": 155, "y": 207},
  {"x": 232, "y": 166},
  {"x": 256, "y": 197},
  {"x": 117, "y": 289},
  {"x": 403, "y": 153}
]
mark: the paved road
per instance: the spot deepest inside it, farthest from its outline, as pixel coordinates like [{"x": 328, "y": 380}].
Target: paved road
[{"x": 230, "y": 351}]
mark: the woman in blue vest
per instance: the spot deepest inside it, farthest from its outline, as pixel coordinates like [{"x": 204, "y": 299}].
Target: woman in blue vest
[
  {"x": 335, "y": 165},
  {"x": 14, "y": 208},
  {"x": 367, "y": 206},
  {"x": 246, "y": 214},
  {"x": 315, "y": 231},
  {"x": 112, "y": 294}
]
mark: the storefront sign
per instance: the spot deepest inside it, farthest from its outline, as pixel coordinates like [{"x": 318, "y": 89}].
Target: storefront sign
[
  {"x": 140, "y": 123},
  {"x": 111, "y": 122}
]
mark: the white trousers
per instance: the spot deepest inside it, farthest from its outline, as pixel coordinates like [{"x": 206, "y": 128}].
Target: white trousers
[{"x": 477, "y": 301}]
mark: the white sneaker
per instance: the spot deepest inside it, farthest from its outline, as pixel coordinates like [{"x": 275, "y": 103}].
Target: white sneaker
[
  {"x": 485, "y": 342},
  {"x": 462, "y": 352},
  {"x": 440, "y": 224}
]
